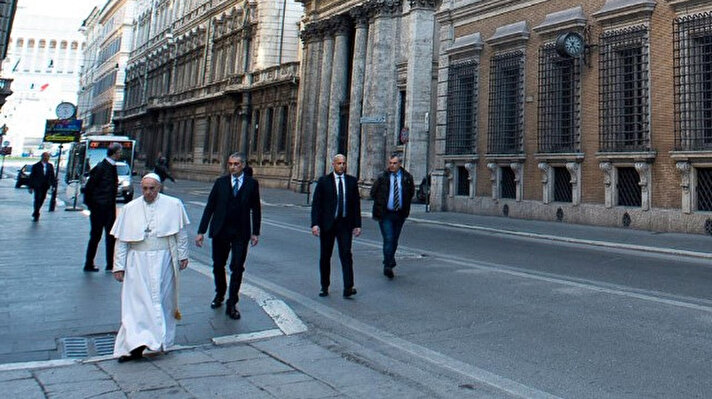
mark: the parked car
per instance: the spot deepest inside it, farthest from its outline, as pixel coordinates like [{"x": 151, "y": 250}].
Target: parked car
[
  {"x": 126, "y": 190},
  {"x": 23, "y": 176}
]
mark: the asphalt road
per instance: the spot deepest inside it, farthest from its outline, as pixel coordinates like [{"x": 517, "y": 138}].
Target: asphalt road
[{"x": 530, "y": 317}]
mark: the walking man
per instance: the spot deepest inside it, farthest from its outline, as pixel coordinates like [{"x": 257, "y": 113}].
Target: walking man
[
  {"x": 336, "y": 216},
  {"x": 234, "y": 214},
  {"x": 100, "y": 198},
  {"x": 152, "y": 247},
  {"x": 391, "y": 194},
  {"x": 41, "y": 179}
]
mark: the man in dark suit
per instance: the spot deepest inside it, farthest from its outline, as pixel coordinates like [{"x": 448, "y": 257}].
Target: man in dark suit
[
  {"x": 234, "y": 214},
  {"x": 335, "y": 216},
  {"x": 41, "y": 179},
  {"x": 100, "y": 196},
  {"x": 392, "y": 193}
]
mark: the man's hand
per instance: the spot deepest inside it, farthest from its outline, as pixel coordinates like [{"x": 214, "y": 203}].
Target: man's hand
[
  {"x": 357, "y": 231},
  {"x": 199, "y": 240},
  {"x": 254, "y": 240},
  {"x": 30, "y": 190},
  {"x": 183, "y": 264},
  {"x": 119, "y": 276},
  {"x": 315, "y": 231}
]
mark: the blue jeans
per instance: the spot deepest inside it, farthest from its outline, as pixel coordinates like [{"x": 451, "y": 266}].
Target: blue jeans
[{"x": 391, "y": 225}]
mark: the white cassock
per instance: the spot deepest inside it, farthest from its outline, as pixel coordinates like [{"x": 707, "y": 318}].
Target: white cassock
[{"x": 151, "y": 239}]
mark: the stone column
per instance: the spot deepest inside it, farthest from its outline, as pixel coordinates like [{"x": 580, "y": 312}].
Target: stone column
[
  {"x": 360, "y": 18},
  {"x": 339, "y": 82},
  {"x": 308, "y": 89},
  {"x": 547, "y": 173},
  {"x": 608, "y": 182},
  {"x": 643, "y": 169},
  {"x": 379, "y": 93},
  {"x": 322, "y": 116},
  {"x": 420, "y": 82}
]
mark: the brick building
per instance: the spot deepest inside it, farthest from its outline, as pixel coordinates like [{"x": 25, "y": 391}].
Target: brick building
[
  {"x": 208, "y": 78},
  {"x": 619, "y": 134}
]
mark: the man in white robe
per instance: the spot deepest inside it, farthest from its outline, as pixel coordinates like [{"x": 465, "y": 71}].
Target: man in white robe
[{"x": 151, "y": 247}]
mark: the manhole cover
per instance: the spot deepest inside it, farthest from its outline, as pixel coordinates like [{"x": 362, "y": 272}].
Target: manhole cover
[{"x": 83, "y": 347}]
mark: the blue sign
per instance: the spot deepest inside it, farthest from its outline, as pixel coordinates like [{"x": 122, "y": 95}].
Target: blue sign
[{"x": 63, "y": 130}]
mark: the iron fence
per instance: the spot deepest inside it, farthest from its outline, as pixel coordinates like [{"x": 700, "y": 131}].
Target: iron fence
[
  {"x": 507, "y": 183},
  {"x": 506, "y": 103},
  {"x": 559, "y": 102},
  {"x": 623, "y": 90},
  {"x": 562, "y": 185},
  {"x": 692, "y": 52},
  {"x": 629, "y": 191},
  {"x": 461, "y": 130},
  {"x": 704, "y": 189}
]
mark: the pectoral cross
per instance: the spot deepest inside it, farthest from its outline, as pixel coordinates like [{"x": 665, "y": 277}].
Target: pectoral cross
[{"x": 148, "y": 230}]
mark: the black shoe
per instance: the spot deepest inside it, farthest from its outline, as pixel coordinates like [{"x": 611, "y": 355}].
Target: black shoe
[
  {"x": 388, "y": 272},
  {"x": 109, "y": 269},
  {"x": 349, "y": 291},
  {"x": 91, "y": 269},
  {"x": 217, "y": 302},
  {"x": 233, "y": 313},
  {"x": 135, "y": 355},
  {"x": 324, "y": 292},
  {"x": 35, "y": 218}
]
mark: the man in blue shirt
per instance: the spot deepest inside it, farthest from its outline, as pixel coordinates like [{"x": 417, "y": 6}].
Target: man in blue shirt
[{"x": 392, "y": 193}]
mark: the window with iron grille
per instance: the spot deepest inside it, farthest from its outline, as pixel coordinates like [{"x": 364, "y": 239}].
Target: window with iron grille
[
  {"x": 623, "y": 90},
  {"x": 463, "y": 181},
  {"x": 461, "y": 129},
  {"x": 692, "y": 38},
  {"x": 559, "y": 101},
  {"x": 507, "y": 183},
  {"x": 629, "y": 192},
  {"x": 562, "y": 185},
  {"x": 704, "y": 189},
  {"x": 506, "y": 103}
]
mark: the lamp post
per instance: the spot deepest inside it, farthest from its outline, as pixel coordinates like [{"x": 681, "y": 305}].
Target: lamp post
[{"x": 3, "y": 130}]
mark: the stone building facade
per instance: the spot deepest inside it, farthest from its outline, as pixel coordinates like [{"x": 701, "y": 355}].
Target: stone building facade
[
  {"x": 207, "y": 78},
  {"x": 620, "y": 135},
  {"x": 101, "y": 79},
  {"x": 367, "y": 87}
]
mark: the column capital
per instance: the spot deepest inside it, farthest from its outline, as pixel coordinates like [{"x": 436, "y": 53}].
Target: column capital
[
  {"x": 360, "y": 16},
  {"x": 385, "y": 8},
  {"x": 311, "y": 33},
  {"x": 423, "y": 4}
]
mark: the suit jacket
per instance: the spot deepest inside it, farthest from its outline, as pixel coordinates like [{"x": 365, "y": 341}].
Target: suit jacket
[
  {"x": 324, "y": 202},
  {"x": 102, "y": 186},
  {"x": 381, "y": 189},
  {"x": 216, "y": 209},
  {"x": 38, "y": 179}
]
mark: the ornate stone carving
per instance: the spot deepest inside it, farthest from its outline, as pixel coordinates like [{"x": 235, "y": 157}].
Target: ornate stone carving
[
  {"x": 575, "y": 172},
  {"x": 386, "y": 8},
  {"x": 494, "y": 172},
  {"x": 685, "y": 169},
  {"x": 311, "y": 33},
  {"x": 360, "y": 16},
  {"x": 607, "y": 169},
  {"x": 450, "y": 174},
  {"x": 546, "y": 187},
  {"x": 643, "y": 169},
  {"x": 426, "y": 4},
  {"x": 470, "y": 167},
  {"x": 340, "y": 25}
]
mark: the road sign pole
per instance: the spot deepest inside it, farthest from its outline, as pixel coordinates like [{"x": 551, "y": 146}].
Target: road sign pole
[{"x": 53, "y": 198}]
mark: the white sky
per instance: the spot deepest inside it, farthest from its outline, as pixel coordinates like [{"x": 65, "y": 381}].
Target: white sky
[{"x": 74, "y": 9}]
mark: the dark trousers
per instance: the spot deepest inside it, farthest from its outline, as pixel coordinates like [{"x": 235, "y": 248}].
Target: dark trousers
[
  {"x": 341, "y": 233},
  {"x": 40, "y": 195},
  {"x": 391, "y": 225},
  {"x": 101, "y": 219},
  {"x": 221, "y": 249}
]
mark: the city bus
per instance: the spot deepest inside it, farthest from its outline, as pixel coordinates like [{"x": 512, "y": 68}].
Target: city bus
[{"x": 91, "y": 150}]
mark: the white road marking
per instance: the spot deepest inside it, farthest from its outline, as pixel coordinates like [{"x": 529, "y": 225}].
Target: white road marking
[
  {"x": 236, "y": 338},
  {"x": 282, "y": 315}
]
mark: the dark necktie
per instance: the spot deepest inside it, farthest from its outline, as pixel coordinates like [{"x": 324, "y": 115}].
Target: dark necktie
[
  {"x": 340, "y": 205},
  {"x": 396, "y": 193},
  {"x": 235, "y": 188}
]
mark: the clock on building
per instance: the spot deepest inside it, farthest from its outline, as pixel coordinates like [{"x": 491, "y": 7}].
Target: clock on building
[
  {"x": 570, "y": 45},
  {"x": 65, "y": 110}
]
